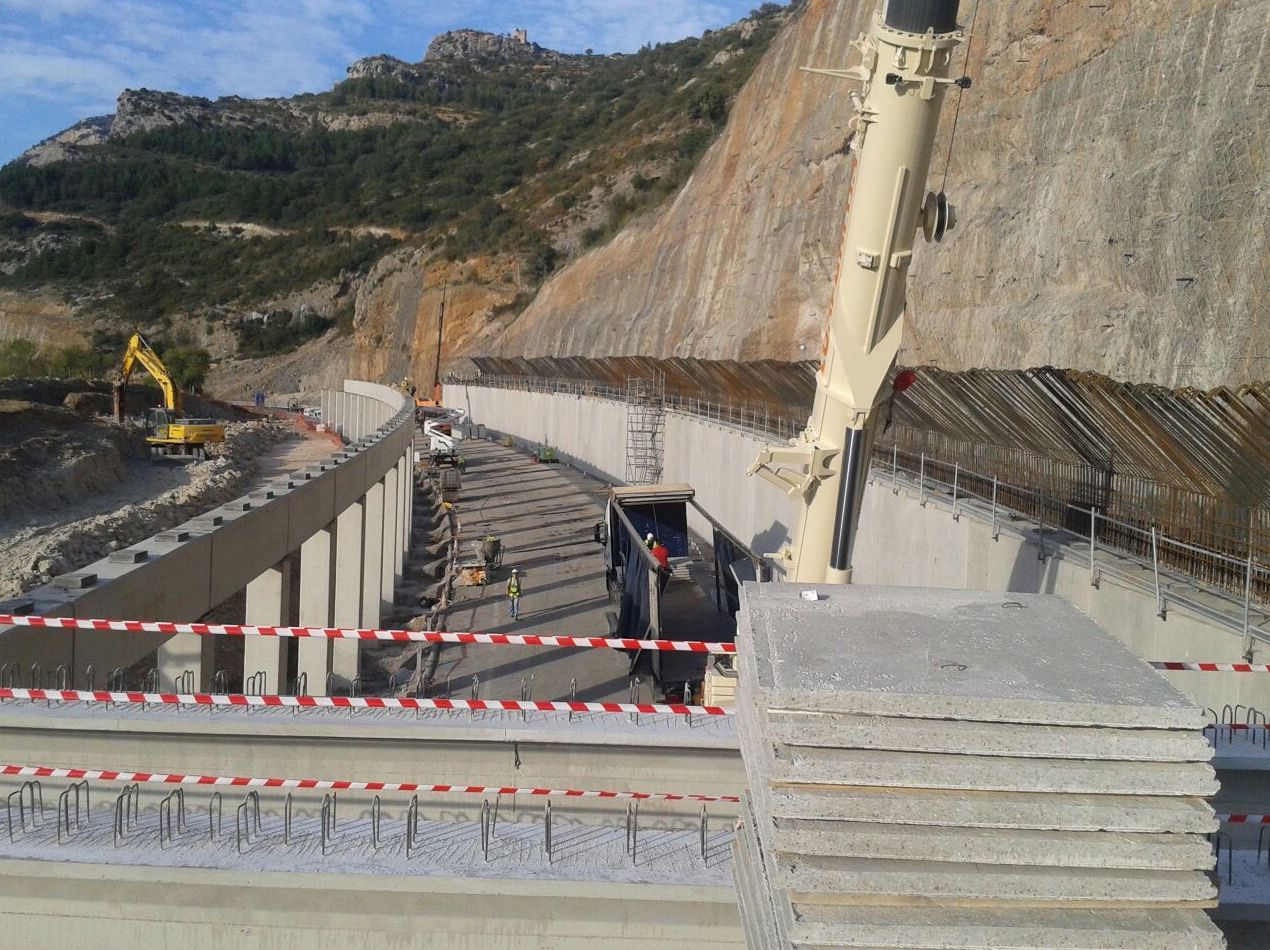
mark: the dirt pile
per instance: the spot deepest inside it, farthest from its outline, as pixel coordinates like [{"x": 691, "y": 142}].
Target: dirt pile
[{"x": 50, "y": 457}]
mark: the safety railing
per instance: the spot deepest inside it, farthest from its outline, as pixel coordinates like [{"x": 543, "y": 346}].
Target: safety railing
[{"x": 1231, "y": 591}]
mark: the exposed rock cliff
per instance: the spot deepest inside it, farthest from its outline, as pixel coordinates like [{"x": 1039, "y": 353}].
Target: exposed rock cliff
[
  {"x": 1111, "y": 176},
  {"x": 69, "y": 144},
  {"x": 466, "y": 45}
]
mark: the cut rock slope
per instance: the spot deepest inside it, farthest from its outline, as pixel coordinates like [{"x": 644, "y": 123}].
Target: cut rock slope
[{"x": 1111, "y": 177}]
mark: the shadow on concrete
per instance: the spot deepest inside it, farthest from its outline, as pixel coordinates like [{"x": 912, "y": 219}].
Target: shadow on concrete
[{"x": 770, "y": 539}]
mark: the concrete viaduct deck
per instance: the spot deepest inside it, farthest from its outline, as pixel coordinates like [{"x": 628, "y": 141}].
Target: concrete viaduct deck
[{"x": 344, "y": 524}]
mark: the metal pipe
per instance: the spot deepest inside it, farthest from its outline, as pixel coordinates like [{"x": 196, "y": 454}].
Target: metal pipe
[
  {"x": 918, "y": 16},
  {"x": 850, "y": 496}
]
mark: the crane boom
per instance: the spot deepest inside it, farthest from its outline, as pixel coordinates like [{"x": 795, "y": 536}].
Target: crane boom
[
  {"x": 905, "y": 61},
  {"x": 139, "y": 351}
]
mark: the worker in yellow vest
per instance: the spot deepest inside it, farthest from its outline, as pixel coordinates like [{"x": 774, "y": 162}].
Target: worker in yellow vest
[{"x": 513, "y": 594}]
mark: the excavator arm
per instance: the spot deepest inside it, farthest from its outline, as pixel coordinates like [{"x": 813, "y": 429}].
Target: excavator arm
[{"x": 139, "y": 351}]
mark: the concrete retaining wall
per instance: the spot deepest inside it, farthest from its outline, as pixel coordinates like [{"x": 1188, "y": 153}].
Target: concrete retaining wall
[
  {"x": 590, "y": 434},
  {"x": 901, "y": 542}
]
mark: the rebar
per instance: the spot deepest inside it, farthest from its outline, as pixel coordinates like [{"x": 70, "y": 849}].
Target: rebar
[
  {"x": 632, "y": 829},
  {"x": 412, "y": 824},
  {"x": 218, "y": 827},
  {"x": 546, "y": 829}
]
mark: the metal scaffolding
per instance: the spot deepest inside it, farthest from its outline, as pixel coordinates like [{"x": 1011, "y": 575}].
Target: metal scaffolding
[{"x": 645, "y": 429}]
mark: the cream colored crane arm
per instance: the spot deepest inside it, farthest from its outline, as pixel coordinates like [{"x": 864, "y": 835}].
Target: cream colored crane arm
[
  {"x": 139, "y": 351},
  {"x": 905, "y": 61}
]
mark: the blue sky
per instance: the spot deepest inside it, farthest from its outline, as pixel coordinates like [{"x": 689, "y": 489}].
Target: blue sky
[{"x": 64, "y": 60}]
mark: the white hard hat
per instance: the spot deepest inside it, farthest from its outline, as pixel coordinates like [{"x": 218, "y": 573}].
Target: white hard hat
[
  {"x": 650, "y": 536},
  {"x": 515, "y": 570}
]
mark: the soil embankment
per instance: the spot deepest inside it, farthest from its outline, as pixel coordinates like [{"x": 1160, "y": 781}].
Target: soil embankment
[{"x": 74, "y": 486}]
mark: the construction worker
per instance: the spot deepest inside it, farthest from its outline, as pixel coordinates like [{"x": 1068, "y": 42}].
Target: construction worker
[
  {"x": 661, "y": 554},
  {"x": 513, "y": 594},
  {"x": 650, "y": 541}
]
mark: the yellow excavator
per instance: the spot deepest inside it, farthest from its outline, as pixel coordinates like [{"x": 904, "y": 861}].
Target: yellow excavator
[{"x": 167, "y": 432}]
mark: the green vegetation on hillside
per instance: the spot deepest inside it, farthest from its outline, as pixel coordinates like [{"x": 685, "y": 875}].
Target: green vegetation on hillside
[
  {"x": 490, "y": 157},
  {"x": 187, "y": 364}
]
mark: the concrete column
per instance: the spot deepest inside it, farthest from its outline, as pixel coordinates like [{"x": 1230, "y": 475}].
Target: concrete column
[
  {"x": 268, "y": 604},
  {"x": 317, "y": 605},
  {"x": 373, "y": 555},
  {"x": 407, "y": 509},
  {"x": 346, "y": 654},
  {"x": 392, "y": 534},
  {"x": 186, "y": 652}
]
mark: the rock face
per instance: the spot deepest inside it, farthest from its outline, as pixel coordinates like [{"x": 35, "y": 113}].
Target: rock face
[
  {"x": 69, "y": 144},
  {"x": 384, "y": 67},
  {"x": 467, "y": 45},
  {"x": 399, "y": 308},
  {"x": 141, "y": 110},
  {"x": 1110, "y": 173}
]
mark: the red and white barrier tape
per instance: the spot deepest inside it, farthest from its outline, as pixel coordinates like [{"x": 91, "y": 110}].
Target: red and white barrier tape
[
  {"x": 156, "y": 778},
  {"x": 1245, "y": 819},
  {"x": 353, "y": 702},
  {"x": 329, "y": 633},
  {"x": 1176, "y": 666}
]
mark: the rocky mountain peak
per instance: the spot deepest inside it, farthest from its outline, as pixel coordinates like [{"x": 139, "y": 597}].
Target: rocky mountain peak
[
  {"x": 468, "y": 45},
  {"x": 383, "y": 67}
]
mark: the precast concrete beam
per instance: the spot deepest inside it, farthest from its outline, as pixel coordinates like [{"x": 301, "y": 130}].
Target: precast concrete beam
[
  {"x": 317, "y": 606},
  {"x": 268, "y": 604},
  {"x": 312, "y": 506},
  {"x": 249, "y": 537},
  {"x": 352, "y": 478}
]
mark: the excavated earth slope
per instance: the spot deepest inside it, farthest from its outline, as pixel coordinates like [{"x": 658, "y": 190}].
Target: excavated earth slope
[{"x": 1110, "y": 172}]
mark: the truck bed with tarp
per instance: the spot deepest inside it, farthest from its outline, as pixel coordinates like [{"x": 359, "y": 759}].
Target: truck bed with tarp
[{"x": 699, "y": 598}]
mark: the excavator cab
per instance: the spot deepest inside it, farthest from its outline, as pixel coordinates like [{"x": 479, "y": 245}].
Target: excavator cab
[{"x": 158, "y": 421}]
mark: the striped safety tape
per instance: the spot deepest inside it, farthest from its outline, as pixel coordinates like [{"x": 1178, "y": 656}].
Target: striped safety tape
[
  {"x": 159, "y": 778},
  {"x": 1245, "y": 819},
  {"x": 1210, "y": 667},
  {"x": 353, "y": 702},
  {"x": 329, "y": 633}
]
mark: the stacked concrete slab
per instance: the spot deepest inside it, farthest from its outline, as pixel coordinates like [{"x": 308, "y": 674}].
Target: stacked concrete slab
[{"x": 951, "y": 769}]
